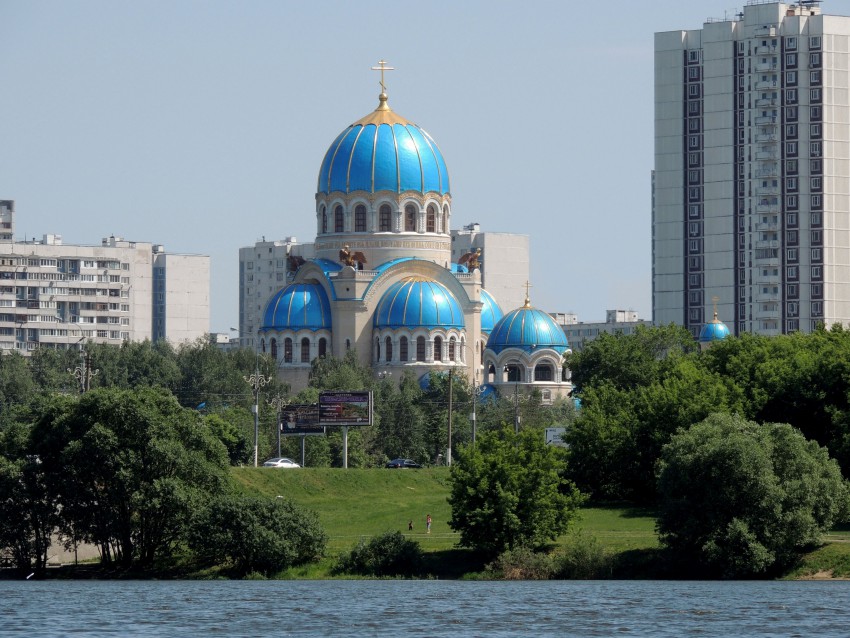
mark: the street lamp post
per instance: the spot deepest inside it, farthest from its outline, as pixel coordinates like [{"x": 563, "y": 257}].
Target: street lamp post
[
  {"x": 83, "y": 373},
  {"x": 257, "y": 381}
]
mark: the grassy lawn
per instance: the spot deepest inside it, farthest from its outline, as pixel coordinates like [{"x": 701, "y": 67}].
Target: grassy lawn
[
  {"x": 357, "y": 504},
  {"x": 360, "y": 503}
]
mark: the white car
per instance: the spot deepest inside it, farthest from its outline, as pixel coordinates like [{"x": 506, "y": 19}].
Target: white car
[{"x": 280, "y": 462}]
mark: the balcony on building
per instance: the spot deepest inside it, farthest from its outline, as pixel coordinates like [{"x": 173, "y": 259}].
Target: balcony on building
[{"x": 767, "y": 154}]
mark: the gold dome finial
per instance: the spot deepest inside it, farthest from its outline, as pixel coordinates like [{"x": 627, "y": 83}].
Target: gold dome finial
[
  {"x": 527, "y": 297},
  {"x": 715, "y": 299}
]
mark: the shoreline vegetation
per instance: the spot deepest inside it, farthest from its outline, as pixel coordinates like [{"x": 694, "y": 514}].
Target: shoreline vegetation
[{"x": 615, "y": 541}]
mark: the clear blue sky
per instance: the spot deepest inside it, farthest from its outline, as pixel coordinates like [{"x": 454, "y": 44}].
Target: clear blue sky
[{"x": 201, "y": 125}]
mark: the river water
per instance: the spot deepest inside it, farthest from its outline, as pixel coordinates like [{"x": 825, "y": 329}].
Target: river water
[{"x": 423, "y": 608}]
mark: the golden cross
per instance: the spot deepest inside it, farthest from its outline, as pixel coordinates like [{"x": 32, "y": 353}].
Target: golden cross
[
  {"x": 527, "y": 297},
  {"x": 382, "y": 66}
]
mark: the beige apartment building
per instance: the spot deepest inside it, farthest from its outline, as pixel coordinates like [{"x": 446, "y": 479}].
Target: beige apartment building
[{"x": 56, "y": 296}]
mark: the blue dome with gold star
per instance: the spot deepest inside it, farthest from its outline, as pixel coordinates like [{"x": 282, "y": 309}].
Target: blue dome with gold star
[
  {"x": 528, "y": 329},
  {"x": 383, "y": 152},
  {"x": 301, "y": 306},
  {"x": 416, "y": 302}
]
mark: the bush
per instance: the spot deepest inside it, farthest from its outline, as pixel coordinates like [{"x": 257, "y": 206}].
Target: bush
[
  {"x": 521, "y": 563},
  {"x": 739, "y": 499},
  {"x": 389, "y": 554},
  {"x": 257, "y": 535},
  {"x": 583, "y": 558}
]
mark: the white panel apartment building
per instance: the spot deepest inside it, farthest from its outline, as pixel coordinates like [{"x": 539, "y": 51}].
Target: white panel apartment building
[
  {"x": 751, "y": 187},
  {"x": 54, "y": 295}
]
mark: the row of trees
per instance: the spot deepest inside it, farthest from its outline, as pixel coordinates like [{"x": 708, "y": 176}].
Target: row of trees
[
  {"x": 137, "y": 475},
  {"x": 638, "y": 390}
]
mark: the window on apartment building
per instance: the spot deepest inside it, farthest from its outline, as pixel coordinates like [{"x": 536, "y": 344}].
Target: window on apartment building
[
  {"x": 792, "y": 291},
  {"x": 694, "y": 229},
  {"x": 742, "y": 136},
  {"x": 816, "y": 238},
  {"x": 817, "y": 271},
  {"x": 791, "y": 167},
  {"x": 693, "y": 57},
  {"x": 815, "y": 59},
  {"x": 792, "y": 308},
  {"x": 791, "y": 184},
  {"x": 790, "y": 96},
  {"x": 791, "y": 254},
  {"x": 695, "y": 262},
  {"x": 816, "y": 166},
  {"x": 693, "y": 90},
  {"x": 791, "y": 43},
  {"x": 815, "y": 77},
  {"x": 694, "y": 211},
  {"x": 791, "y": 220},
  {"x": 791, "y": 60},
  {"x": 695, "y": 246},
  {"x": 694, "y": 177},
  {"x": 792, "y": 237},
  {"x": 792, "y": 273},
  {"x": 695, "y": 280},
  {"x": 694, "y": 159},
  {"x": 791, "y": 113},
  {"x": 694, "y": 193},
  {"x": 816, "y": 183},
  {"x": 815, "y": 94},
  {"x": 694, "y": 108},
  {"x": 817, "y": 309},
  {"x": 791, "y": 130},
  {"x": 815, "y": 149},
  {"x": 817, "y": 291},
  {"x": 791, "y": 78},
  {"x": 817, "y": 218},
  {"x": 693, "y": 73},
  {"x": 694, "y": 124},
  {"x": 791, "y": 202},
  {"x": 791, "y": 149},
  {"x": 693, "y": 141},
  {"x": 695, "y": 297},
  {"x": 817, "y": 202},
  {"x": 742, "y": 48}
]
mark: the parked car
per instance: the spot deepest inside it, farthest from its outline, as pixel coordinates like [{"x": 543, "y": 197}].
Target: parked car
[
  {"x": 403, "y": 463},
  {"x": 280, "y": 462}
]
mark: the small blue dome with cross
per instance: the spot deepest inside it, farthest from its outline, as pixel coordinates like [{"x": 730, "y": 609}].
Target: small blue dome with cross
[
  {"x": 528, "y": 329},
  {"x": 301, "y": 306},
  {"x": 713, "y": 331}
]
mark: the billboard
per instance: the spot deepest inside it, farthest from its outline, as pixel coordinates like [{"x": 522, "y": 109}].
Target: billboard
[
  {"x": 300, "y": 419},
  {"x": 345, "y": 408}
]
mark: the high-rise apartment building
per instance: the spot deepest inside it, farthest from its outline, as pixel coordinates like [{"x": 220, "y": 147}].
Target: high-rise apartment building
[
  {"x": 751, "y": 187},
  {"x": 54, "y": 295}
]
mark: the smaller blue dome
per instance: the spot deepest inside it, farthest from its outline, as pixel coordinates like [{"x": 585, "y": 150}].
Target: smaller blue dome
[
  {"x": 713, "y": 331},
  {"x": 490, "y": 313},
  {"x": 528, "y": 329},
  {"x": 417, "y": 302},
  {"x": 299, "y": 306}
]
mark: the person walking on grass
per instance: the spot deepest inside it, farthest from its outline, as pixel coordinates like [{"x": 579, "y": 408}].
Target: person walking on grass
[{"x": 428, "y": 524}]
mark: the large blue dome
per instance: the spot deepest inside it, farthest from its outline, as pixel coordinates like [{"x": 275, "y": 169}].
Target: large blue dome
[
  {"x": 383, "y": 152},
  {"x": 298, "y": 307},
  {"x": 416, "y": 302},
  {"x": 490, "y": 313},
  {"x": 528, "y": 329}
]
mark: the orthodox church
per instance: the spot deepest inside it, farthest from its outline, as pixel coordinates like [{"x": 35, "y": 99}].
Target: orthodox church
[{"x": 382, "y": 281}]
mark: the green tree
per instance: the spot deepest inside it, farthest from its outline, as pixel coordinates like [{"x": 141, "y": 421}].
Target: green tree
[
  {"x": 740, "y": 499},
  {"x": 629, "y": 361},
  {"x": 508, "y": 491},
  {"x": 256, "y": 534},
  {"x": 134, "y": 465}
]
